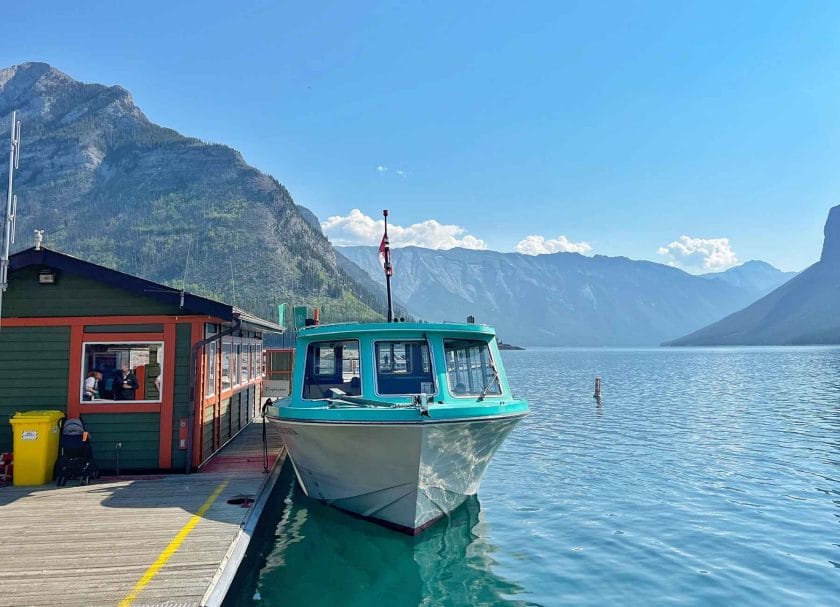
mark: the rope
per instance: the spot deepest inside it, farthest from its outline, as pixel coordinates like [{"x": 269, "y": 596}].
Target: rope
[{"x": 265, "y": 436}]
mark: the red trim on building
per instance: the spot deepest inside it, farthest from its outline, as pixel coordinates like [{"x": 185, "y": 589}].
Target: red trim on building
[
  {"x": 167, "y": 404},
  {"x": 119, "y": 407},
  {"x": 197, "y": 334},
  {"x": 74, "y": 382},
  {"x": 125, "y": 338},
  {"x": 65, "y": 321}
]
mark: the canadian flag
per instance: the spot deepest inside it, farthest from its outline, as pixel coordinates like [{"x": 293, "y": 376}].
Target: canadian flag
[{"x": 385, "y": 256}]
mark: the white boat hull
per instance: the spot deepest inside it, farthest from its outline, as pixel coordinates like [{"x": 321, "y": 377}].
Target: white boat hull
[{"x": 405, "y": 475}]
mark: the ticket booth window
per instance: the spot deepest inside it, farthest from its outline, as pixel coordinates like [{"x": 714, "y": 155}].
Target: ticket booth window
[{"x": 122, "y": 372}]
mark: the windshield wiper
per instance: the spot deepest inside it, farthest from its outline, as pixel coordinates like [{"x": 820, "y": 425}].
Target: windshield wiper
[{"x": 492, "y": 381}]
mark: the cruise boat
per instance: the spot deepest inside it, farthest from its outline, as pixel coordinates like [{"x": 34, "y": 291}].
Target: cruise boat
[{"x": 397, "y": 421}]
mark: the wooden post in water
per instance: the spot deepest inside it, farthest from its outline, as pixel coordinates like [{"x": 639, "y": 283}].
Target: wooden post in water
[{"x": 597, "y": 387}]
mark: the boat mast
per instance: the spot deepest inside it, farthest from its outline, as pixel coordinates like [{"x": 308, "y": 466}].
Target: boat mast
[
  {"x": 386, "y": 263},
  {"x": 11, "y": 209}
]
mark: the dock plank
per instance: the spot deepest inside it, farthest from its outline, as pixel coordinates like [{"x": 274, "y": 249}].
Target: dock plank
[{"x": 90, "y": 545}]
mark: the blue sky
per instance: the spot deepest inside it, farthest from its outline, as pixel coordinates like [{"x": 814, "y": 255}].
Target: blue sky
[{"x": 621, "y": 126}]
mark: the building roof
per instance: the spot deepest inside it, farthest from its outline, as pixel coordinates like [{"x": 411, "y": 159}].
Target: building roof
[{"x": 190, "y": 304}]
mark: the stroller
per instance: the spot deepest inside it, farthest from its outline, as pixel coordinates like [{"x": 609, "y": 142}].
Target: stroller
[{"x": 75, "y": 454}]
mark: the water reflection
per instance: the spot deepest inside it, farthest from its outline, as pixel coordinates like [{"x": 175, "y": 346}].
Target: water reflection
[
  {"x": 325, "y": 557},
  {"x": 706, "y": 477}
]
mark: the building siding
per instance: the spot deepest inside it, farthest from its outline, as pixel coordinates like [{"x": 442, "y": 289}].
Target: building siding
[
  {"x": 138, "y": 434},
  {"x": 34, "y": 371},
  {"x": 73, "y": 295},
  {"x": 224, "y": 420},
  {"x": 207, "y": 433}
]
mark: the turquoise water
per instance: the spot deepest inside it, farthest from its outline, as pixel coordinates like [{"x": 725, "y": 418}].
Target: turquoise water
[{"x": 705, "y": 477}]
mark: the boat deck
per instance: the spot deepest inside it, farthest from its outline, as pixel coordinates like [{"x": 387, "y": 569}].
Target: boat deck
[{"x": 153, "y": 540}]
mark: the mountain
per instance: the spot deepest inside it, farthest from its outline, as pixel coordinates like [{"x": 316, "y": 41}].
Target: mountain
[
  {"x": 559, "y": 299},
  {"x": 758, "y": 276},
  {"x": 109, "y": 186},
  {"x": 804, "y": 310}
]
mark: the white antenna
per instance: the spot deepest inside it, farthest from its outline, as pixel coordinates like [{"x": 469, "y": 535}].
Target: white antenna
[
  {"x": 11, "y": 207},
  {"x": 233, "y": 283},
  {"x": 186, "y": 265}
]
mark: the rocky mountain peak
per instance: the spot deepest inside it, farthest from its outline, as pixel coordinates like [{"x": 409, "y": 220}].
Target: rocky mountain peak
[
  {"x": 40, "y": 92},
  {"x": 831, "y": 244},
  {"x": 112, "y": 187},
  {"x": 757, "y": 264},
  {"x": 29, "y": 73}
]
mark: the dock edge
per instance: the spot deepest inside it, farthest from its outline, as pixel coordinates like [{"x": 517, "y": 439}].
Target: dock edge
[{"x": 225, "y": 574}]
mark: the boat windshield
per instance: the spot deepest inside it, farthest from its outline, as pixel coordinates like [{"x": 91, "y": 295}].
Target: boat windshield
[
  {"x": 332, "y": 365},
  {"x": 469, "y": 368},
  {"x": 404, "y": 367}
]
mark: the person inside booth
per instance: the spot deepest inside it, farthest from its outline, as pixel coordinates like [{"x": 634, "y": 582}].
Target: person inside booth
[{"x": 125, "y": 383}]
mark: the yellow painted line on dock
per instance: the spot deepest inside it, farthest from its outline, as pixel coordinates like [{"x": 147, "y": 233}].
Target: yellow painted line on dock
[{"x": 173, "y": 546}]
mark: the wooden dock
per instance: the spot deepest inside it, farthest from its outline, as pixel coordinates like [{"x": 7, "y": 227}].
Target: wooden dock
[{"x": 170, "y": 540}]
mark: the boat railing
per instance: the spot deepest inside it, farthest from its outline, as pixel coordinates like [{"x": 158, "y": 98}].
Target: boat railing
[{"x": 339, "y": 401}]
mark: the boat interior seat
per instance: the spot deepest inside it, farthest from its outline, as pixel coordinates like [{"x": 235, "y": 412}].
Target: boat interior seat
[
  {"x": 351, "y": 388},
  {"x": 404, "y": 384}
]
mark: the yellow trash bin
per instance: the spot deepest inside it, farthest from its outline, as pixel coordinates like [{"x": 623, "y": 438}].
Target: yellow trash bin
[{"x": 35, "y": 446}]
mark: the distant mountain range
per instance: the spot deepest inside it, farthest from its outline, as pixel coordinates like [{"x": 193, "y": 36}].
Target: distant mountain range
[
  {"x": 566, "y": 298},
  {"x": 113, "y": 188},
  {"x": 805, "y": 310}
]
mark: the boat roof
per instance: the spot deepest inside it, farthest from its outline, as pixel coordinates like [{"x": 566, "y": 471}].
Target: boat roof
[{"x": 356, "y": 328}]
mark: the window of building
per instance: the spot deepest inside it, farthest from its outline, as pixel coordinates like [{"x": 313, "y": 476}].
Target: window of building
[
  {"x": 243, "y": 363},
  {"x": 122, "y": 371},
  {"x": 210, "y": 376},
  {"x": 403, "y": 367},
  {"x": 234, "y": 362},
  {"x": 332, "y": 365},
  {"x": 227, "y": 356},
  {"x": 249, "y": 354},
  {"x": 470, "y": 369}
]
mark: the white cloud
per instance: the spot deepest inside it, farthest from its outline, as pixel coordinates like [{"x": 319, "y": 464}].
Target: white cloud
[
  {"x": 382, "y": 169},
  {"x": 539, "y": 245},
  {"x": 360, "y": 229},
  {"x": 700, "y": 254}
]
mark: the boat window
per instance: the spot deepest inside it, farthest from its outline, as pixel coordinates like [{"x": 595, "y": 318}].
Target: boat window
[
  {"x": 469, "y": 368},
  {"x": 403, "y": 367},
  {"x": 332, "y": 365}
]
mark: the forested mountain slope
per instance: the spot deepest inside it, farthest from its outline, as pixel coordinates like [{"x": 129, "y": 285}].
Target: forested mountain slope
[{"x": 111, "y": 187}]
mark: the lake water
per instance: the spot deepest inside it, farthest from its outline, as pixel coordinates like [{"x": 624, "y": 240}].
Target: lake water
[{"x": 705, "y": 477}]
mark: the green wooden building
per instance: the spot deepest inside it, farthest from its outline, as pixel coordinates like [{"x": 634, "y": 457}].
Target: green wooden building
[{"x": 197, "y": 363}]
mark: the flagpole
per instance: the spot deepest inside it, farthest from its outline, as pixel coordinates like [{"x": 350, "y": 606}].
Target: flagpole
[{"x": 388, "y": 268}]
